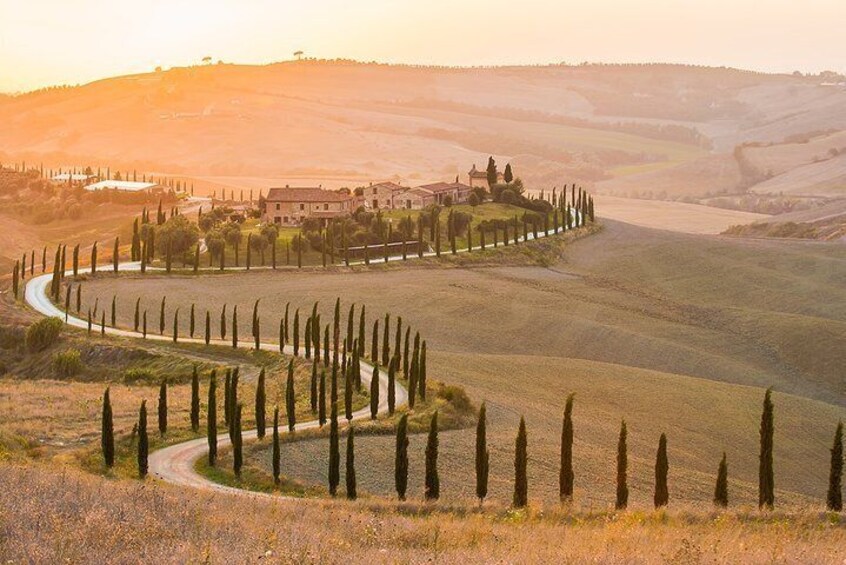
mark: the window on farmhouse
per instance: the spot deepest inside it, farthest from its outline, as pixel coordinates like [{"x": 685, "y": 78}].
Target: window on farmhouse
[
  {"x": 277, "y": 207},
  {"x": 302, "y": 206},
  {"x": 325, "y": 206}
]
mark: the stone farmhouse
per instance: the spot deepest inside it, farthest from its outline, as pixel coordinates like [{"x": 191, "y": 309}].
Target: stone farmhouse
[
  {"x": 480, "y": 178},
  {"x": 289, "y": 206}
]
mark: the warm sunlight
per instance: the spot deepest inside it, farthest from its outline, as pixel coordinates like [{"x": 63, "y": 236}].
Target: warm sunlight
[{"x": 73, "y": 41}]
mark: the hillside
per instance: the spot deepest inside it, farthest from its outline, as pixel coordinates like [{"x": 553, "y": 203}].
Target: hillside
[{"x": 356, "y": 122}]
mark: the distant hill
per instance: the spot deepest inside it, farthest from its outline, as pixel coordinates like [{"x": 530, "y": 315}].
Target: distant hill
[{"x": 367, "y": 121}]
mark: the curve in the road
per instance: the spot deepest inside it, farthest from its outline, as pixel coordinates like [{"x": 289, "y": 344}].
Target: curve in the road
[{"x": 175, "y": 464}]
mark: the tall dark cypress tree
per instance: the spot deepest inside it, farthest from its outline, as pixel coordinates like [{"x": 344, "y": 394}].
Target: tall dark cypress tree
[
  {"x": 162, "y": 316},
  {"x": 662, "y": 466},
  {"x": 622, "y": 469},
  {"x": 107, "y": 435},
  {"x": 191, "y": 323},
  {"x": 321, "y": 399},
  {"x": 235, "y": 327},
  {"x": 482, "y": 455},
  {"x": 237, "y": 442},
  {"x": 227, "y": 398},
  {"x": 195, "y": 400},
  {"x": 374, "y": 345},
  {"x": 385, "y": 338},
  {"x": 276, "y": 448},
  {"x": 433, "y": 481},
  {"x": 392, "y": 384},
  {"x": 261, "y": 401},
  {"x": 348, "y": 392},
  {"x": 297, "y": 332},
  {"x": 211, "y": 417},
  {"x": 223, "y": 322},
  {"x": 334, "y": 452},
  {"x": 208, "y": 328},
  {"x": 350, "y": 324},
  {"x": 361, "y": 330},
  {"x": 352, "y": 493},
  {"x": 163, "y": 407},
  {"x": 766, "y": 486},
  {"x": 374, "y": 393},
  {"x": 721, "y": 495},
  {"x": 421, "y": 377},
  {"x": 566, "y": 477},
  {"x": 143, "y": 444},
  {"x": 401, "y": 458},
  {"x": 521, "y": 459},
  {"x": 113, "y": 313},
  {"x": 405, "y": 352},
  {"x": 313, "y": 388},
  {"x": 290, "y": 398},
  {"x": 834, "y": 499}
]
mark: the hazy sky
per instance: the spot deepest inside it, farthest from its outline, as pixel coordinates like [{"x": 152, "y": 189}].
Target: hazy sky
[{"x": 44, "y": 42}]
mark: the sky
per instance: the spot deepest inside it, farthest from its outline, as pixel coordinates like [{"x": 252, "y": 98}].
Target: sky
[{"x": 49, "y": 42}]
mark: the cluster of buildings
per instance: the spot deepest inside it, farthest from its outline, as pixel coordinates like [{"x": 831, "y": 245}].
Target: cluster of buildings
[
  {"x": 93, "y": 183},
  {"x": 292, "y": 205}
]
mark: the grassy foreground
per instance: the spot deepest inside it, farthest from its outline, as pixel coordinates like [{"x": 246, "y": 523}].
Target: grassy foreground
[{"x": 68, "y": 516}]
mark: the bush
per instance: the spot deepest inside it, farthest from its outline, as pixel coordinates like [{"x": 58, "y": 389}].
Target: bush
[
  {"x": 456, "y": 396},
  {"x": 139, "y": 375},
  {"x": 448, "y": 200},
  {"x": 508, "y": 196},
  {"x": 474, "y": 200},
  {"x": 11, "y": 337},
  {"x": 43, "y": 333},
  {"x": 67, "y": 363}
]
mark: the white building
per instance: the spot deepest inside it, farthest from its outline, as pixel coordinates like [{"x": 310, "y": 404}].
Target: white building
[{"x": 125, "y": 186}]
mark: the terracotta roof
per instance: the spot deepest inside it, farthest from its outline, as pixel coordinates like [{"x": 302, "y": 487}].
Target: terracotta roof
[
  {"x": 305, "y": 194},
  {"x": 392, "y": 186},
  {"x": 445, "y": 186}
]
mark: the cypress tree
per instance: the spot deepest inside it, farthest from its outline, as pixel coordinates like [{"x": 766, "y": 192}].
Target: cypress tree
[
  {"x": 208, "y": 327},
  {"x": 223, "y": 322},
  {"x": 212, "y": 418},
  {"x": 237, "y": 442},
  {"x": 195, "y": 400},
  {"x": 137, "y": 317},
  {"x": 227, "y": 398},
  {"x": 326, "y": 347},
  {"x": 405, "y": 352},
  {"x": 89, "y": 320},
  {"x": 144, "y": 325},
  {"x": 297, "y": 332},
  {"x": 482, "y": 455},
  {"x": 350, "y": 465},
  {"x": 261, "y": 401},
  {"x": 565, "y": 477},
  {"x": 143, "y": 446},
  {"x": 662, "y": 466},
  {"x": 197, "y": 258},
  {"x": 78, "y": 297},
  {"x": 67, "y": 302},
  {"x": 290, "y": 398},
  {"x": 313, "y": 388},
  {"x": 107, "y": 435},
  {"x": 74, "y": 259},
  {"x": 348, "y": 392},
  {"x": 385, "y": 338},
  {"x": 307, "y": 336},
  {"x": 361, "y": 323},
  {"x": 622, "y": 468},
  {"x": 392, "y": 380},
  {"x": 163, "y": 407},
  {"x": 276, "y": 449},
  {"x": 15, "y": 275},
  {"x": 115, "y": 255},
  {"x": 421, "y": 377},
  {"x": 94, "y": 258},
  {"x": 321, "y": 399},
  {"x": 766, "y": 487},
  {"x": 235, "y": 327},
  {"x": 374, "y": 393},
  {"x": 433, "y": 482},
  {"x": 521, "y": 480},
  {"x": 721, "y": 495},
  {"x": 44, "y": 260},
  {"x": 175, "y": 325},
  {"x": 834, "y": 499},
  {"x": 350, "y": 322},
  {"x": 162, "y": 316},
  {"x": 374, "y": 345},
  {"x": 401, "y": 458},
  {"x": 334, "y": 452},
  {"x": 257, "y": 334},
  {"x": 191, "y": 325}
]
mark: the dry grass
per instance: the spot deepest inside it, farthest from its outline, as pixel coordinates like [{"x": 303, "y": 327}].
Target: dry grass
[{"x": 62, "y": 516}]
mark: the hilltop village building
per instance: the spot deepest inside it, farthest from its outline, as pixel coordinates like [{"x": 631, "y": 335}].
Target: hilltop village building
[
  {"x": 289, "y": 206},
  {"x": 126, "y": 186}
]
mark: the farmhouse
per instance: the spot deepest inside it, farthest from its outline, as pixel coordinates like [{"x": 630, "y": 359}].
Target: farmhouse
[
  {"x": 383, "y": 195},
  {"x": 477, "y": 178},
  {"x": 290, "y": 206},
  {"x": 457, "y": 192},
  {"x": 126, "y": 186}
]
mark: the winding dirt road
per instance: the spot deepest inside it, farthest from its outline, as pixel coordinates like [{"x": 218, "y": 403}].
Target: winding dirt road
[{"x": 175, "y": 464}]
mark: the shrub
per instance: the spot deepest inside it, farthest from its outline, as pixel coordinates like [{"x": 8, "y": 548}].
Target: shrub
[
  {"x": 43, "y": 333},
  {"x": 474, "y": 200},
  {"x": 456, "y": 396},
  {"x": 138, "y": 375},
  {"x": 67, "y": 363},
  {"x": 508, "y": 196}
]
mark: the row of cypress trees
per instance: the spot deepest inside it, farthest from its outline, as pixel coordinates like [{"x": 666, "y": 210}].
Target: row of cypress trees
[{"x": 233, "y": 414}]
